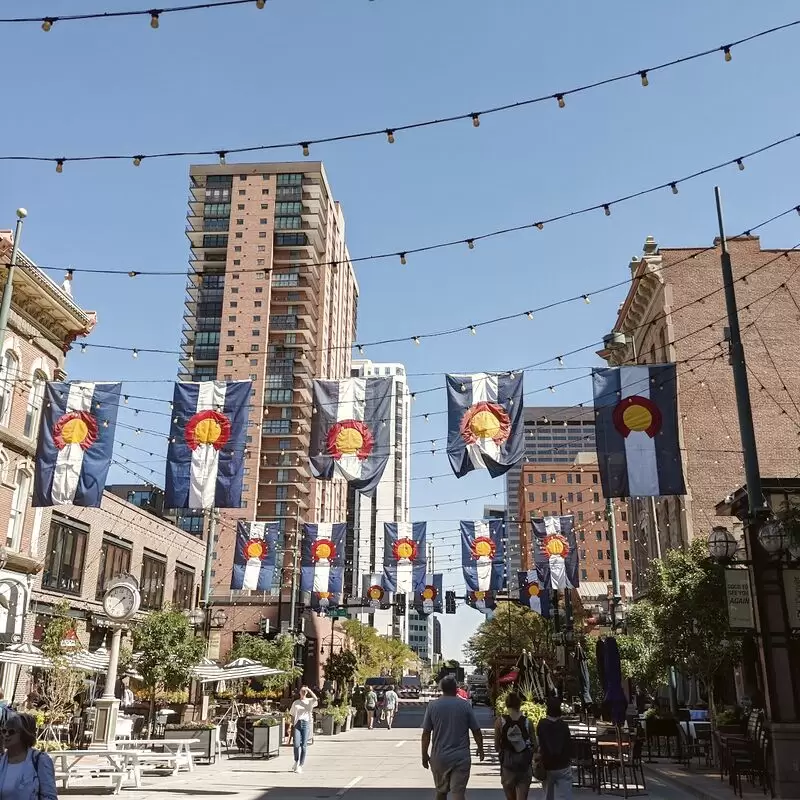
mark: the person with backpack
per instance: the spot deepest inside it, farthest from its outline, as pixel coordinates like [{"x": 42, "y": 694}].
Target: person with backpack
[
  {"x": 555, "y": 749},
  {"x": 381, "y": 707},
  {"x": 25, "y": 772},
  {"x": 371, "y": 706},
  {"x": 515, "y": 743}
]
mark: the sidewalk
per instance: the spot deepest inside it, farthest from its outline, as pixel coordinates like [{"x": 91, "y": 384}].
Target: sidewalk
[{"x": 701, "y": 783}]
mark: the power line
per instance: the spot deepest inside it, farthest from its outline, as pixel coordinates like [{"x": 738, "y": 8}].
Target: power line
[{"x": 390, "y": 132}]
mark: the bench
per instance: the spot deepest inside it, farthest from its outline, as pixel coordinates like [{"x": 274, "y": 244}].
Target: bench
[
  {"x": 91, "y": 771},
  {"x": 168, "y": 760}
]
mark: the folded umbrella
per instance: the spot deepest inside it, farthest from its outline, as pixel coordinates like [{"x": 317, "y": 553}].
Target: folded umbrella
[{"x": 615, "y": 699}]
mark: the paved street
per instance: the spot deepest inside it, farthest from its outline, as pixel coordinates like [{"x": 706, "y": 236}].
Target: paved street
[{"x": 358, "y": 765}]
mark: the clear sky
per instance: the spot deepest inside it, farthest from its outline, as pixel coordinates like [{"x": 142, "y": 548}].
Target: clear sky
[{"x": 235, "y": 77}]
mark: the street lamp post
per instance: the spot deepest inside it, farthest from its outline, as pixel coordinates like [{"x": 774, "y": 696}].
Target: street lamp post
[{"x": 8, "y": 289}]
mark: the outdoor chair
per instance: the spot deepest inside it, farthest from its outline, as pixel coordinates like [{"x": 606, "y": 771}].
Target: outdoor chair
[
  {"x": 691, "y": 747},
  {"x": 632, "y": 764},
  {"x": 753, "y": 764},
  {"x": 584, "y": 760}
]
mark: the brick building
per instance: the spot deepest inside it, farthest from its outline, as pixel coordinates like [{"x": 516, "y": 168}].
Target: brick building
[
  {"x": 558, "y": 489},
  {"x": 272, "y": 297},
  {"x": 675, "y": 311}
]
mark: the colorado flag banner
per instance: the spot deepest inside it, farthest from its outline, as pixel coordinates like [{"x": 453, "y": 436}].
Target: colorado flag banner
[
  {"x": 556, "y": 553},
  {"x": 256, "y": 555},
  {"x": 322, "y": 566},
  {"x": 483, "y": 555},
  {"x": 482, "y": 601},
  {"x": 404, "y": 556},
  {"x": 207, "y": 439},
  {"x": 76, "y": 440},
  {"x": 484, "y": 422},
  {"x": 636, "y": 426},
  {"x": 350, "y": 431},
  {"x": 428, "y": 600},
  {"x": 372, "y": 591},
  {"x": 531, "y": 594}
]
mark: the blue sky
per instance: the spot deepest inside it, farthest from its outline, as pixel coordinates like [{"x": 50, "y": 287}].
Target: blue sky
[{"x": 293, "y": 71}]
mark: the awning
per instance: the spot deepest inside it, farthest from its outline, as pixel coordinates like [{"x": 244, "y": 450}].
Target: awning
[
  {"x": 25, "y": 655},
  {"x": 209, "y": 672}
]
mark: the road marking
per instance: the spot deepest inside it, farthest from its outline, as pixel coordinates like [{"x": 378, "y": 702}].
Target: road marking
[
  {"x": 349, "y": 786},
  {"x": 400, "y": 744}
]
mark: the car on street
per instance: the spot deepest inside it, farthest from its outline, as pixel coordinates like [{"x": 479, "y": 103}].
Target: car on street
[
  {"x": 480, "y": 695},
  {"x": 410, "y": 687}
]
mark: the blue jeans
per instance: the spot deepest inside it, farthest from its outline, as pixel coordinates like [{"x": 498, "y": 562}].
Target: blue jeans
[
  {"x": 300, "y": 741},
  {"x": 558, "y": 784}
]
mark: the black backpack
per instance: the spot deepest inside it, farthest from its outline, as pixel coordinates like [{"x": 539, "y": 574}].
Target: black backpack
[{"x": 511, "y": 759}]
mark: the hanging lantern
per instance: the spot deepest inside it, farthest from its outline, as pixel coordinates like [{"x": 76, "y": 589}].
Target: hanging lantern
[
  {"x": 773, "y": 537},
  {"x": 722, "y": 544}
]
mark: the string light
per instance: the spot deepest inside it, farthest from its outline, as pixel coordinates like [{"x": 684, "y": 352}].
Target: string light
[
  {"x": 137, "y": 161},
  {"x": 471, "y": 244},
  {"x": 674, "y": 187},
  {"x": 222, "y": 154},
  {"x": 643, "y": 76},
  {"x": 59, "y": 165},
  {"x": 476, "y": 120},
  {"x": 416, "y": 340},
  {"x": 306, "y": 148},
  {"x": 260, "y": 4},
  {"x": 473, "y": 330},
  {"x": 360, "y": 349},
  {"x": 403, "y": 261},
  {"x": 389, "y": 136},
  {"x": 587, "y": 299},
  {"x": 47, "y": 23},
  {"x": 136, "y": 354},
  {"x": 540, "y": 225},
  {"x": 740, "y": 163},
  {"x": 727, "y": 51},
  {"x": 560, "y": 360},
  {"x": 529, "y": 314},
  {"x": 83, "y": 348},
  {"x": 154, "y": 19},
  {"x": 561, "y": 101},
  {"x": 607, "y": 209}
]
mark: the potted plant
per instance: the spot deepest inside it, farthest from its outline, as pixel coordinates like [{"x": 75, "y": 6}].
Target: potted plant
[
  {"x": 331, "y": 719},
  {"x": 267, "y": 736},
  {"x": 205, "y": 731}
]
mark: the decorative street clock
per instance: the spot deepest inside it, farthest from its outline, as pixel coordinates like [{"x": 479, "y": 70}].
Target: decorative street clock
[{"x": 122, "y": 598}]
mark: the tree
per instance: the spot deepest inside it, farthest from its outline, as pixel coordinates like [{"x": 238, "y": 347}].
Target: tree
[
  {"x": 60, "y": 684},
  {"x": 277, "y": 653},
  {"x": 167, "y": 650},
  {"x": 341, "y": 668},
  {"x": 375, "y": 654},
  {"x": 511, "y": 630},
  {"x": 641, "y": 650},
  {"x": 689, "y": 613}
]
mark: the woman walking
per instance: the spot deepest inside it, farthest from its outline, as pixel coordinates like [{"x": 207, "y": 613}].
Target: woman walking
[
  {"x": 302, "y": 721},
  {"x": 25, "y": 773},
  {"x": 555, "y": 750},
  {"x": 515, "y": 744}
]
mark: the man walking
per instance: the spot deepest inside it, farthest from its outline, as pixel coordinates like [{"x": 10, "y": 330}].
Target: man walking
[
  {"x": 371, "y": 706},
  {"x": 449, "y": 721},
  {"x": 391, "y": 701}
]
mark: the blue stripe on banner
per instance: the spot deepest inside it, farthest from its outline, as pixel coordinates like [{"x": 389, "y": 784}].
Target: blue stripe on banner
[
  {"x": 255, "y": 531},
  {"x": 100, "y": 421},
  {"x": 612, "y": 461},
  {"x": 417, "y": 532},
  {"x": 229, "y": 474},
  {"x": 664, "y": 392},
  {"x": 311, "y": 535},
  {"x": 469, "y": 563}
]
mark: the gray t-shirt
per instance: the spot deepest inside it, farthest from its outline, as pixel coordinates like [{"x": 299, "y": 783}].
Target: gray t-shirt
[{"x": 450, "y": 719}]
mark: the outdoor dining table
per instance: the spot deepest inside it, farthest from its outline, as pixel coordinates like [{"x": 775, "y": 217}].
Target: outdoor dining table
[
  {"x": 119, "y": 761},
  {"x": 180, "y": 748}
]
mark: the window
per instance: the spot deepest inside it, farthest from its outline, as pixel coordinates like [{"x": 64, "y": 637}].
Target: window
[
  {"x": 240, "y": 207},
  {"x": 531, "y": 497},
  {"x": 569, "y": 477},
  {"x": 570, "y": 497},
  {"x": 115, "y": 559},
  {"x": 9, "y": 372},
  {"x": 218, "y": 240},
  {"x": 242, "y": 193},
  {"x": 594, "y": 477},
  {"x": 579, "y": 497},
  {"x": 530, "y": 477},
  {"x": 154, "y": 571},
  {"x": 583, "y": 554},
  {"x": 288, "y": 239},
  {"x": 253, "y": 348},
  {"x": 264, "y": 206},
  {"x": 228, "y": 362},
  {"x": 289, "y": 179},
  {"x": 34, "y": 410},
  {"x": 544, "y": 497},
  {"x": 256, "y": 304},
  {"x": 262, "y": 248},
  {"x": 265, "y": 191},
  {"x": 626, "y": 554},
  {"x": 552, "y": 477},
  {"x": 237, "y": 262},
  {"x": 601, "y": 574},
  {"x": 625, "y": 536},
  {"x": 239, "y": 221},
  {"x": 287, "y": 223},
  {"x": 239, "y": 235},
  {"x": 627, "y": 575},
  {"x": 608, "y": 555},
  {"x": 263, "y": 220},
  {"x": 623, "y": 515},
  {"x": 553, "y": 497},
  {"x": 582, "y": 536},
  {"x": 183, "y": 587},
  {"x": 596, "y": 497},
  {"x": 288, "y": 208},
  {"x": 66, "y": 551},
  {"x": 598, "y": 535},
  {"x": 584, "y": 575},
  {"x": 544, "y": 477},
  {"x": 599, "y": 555},
  {"x": 578, "y": 478},
  {"x": 19, "y": 502}
]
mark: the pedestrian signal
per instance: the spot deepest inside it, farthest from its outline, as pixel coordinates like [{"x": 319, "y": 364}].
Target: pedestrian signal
[
  {"x": 449, "y": 602},
  {"x": 400, "y": 605}
]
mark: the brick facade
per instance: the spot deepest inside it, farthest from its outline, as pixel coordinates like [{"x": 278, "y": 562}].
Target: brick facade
[{"x": 675, "y": 308}]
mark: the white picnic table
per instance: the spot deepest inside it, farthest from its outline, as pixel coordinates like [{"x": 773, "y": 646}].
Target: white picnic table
[
  {"x": 178, "y": 749},
  {"x": 93, "y": 763}
]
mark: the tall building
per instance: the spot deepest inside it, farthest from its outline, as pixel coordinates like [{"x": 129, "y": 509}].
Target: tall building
[
  {"x": 553, "y": 435},
  {"x": 271, "y": 297},
  {"x": 437, "y": 639},
  {"x": 675, "y": 312},
  {"x": 390, "y": 503},
  {"x": 420, "y": 635}
]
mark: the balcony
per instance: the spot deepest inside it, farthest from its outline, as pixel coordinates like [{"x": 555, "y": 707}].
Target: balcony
[
  {"x": 206, "y": 353},
  {"x": 283, "y": 322}
]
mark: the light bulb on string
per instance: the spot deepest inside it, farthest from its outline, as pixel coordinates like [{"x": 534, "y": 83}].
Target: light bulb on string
[
  {"x": 740, "y": 164},
  {"x": 560, "y": 360},
  {"x": 360, "y": 349},
  {"x": 587, "y": 299},
  {"x": 561, "y": 101},
  {"x": 476, "y": 120},
  {"x": 222, "y": 154},
  {"x": 154, "y": 19},
  {"x": 136, "y": 354},
  {"x": 473, "y": 330},
  {"x": 390, "y": 136},
  {"x": 529, "y": 314},
  {"x": 83, "y": 348},
  {"x": 402, "y": 259},
  {"x": 137, "y": 161},
  {"x": 47, "y": 24},
  {"x": 607, "y": 209},
  {"x": 471, "y": 244},
  {"x": 674, "y": 187},
  {"x": 540, "y": 225},
  {"x": 416, "y": 339},
  {"x": 727, "y": 52},
  {"x": 260, "y": 4},
  {"x": 643, "y": 76},
  {"x": 59, "y": 165},
  {"x": 306, "y": 150}
]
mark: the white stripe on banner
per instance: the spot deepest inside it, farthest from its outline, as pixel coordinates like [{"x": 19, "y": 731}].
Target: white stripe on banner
[
  {"x": 405, "y": 567},
  {"x": 253, "y": 567},
  {"x": 534, "y": 601},
  {"x": 558, "y": 568},
  {"x": 205, "y": 457},
  {"x": 352, "y": 405},
  {"x": 322, "y": 569},
  {"x": 484, "y": 390},
  {"x": 640, "y": 449},
  {"x": 69, "y": 461},
  {"x": 483, "y": 565}
]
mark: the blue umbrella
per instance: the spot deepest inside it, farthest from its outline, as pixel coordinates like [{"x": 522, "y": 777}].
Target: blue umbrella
[{"x": 615, "y": 699}]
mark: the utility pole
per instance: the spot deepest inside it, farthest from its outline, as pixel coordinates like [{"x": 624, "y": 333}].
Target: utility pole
[
  {"x": 612, "y": 536},
  {"x": 8, "y": 289},
  {"x": 211, "y": 537},
  {"x": 295, "y": 555}
]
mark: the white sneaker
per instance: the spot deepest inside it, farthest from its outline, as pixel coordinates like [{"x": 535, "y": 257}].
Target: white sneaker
[
  {"x": 299, "y": 770},
  {"x": 295, "y": 767}
]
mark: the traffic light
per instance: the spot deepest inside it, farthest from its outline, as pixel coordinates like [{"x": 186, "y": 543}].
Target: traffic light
[
  {"x": 400, "y": 605},
  {"x": 449, "y": 602}
]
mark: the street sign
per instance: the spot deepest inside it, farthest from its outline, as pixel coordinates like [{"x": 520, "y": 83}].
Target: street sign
[{"x": 337, "y": 613}]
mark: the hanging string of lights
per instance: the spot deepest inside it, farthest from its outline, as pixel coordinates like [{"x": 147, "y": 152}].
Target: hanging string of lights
[{"x": 389, "y": 132}]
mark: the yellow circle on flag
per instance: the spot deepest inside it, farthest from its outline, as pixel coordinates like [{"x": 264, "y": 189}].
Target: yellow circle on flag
[
  {"x": 207, "y": 431},
  {"x": 483, "y": 548},
  {"x": 349, "y": 441},
  {"x": 556, "y": 546},
  {"x": 484, "y": 425},
  {"x": 323, "y": 550},
  {"x": 637, "y": 417},
  {"x": 405, "y": 550},
  {"x": 74, "y": 431}
]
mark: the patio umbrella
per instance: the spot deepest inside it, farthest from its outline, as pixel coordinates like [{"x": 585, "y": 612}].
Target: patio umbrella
[
  {"x": 25, "y": 655},
  {"x": 242, "y": 662},
  {"x": 615, "y": 697},
  {"x": 582, "y": 668},
  {"x": 509, "y": 677}
]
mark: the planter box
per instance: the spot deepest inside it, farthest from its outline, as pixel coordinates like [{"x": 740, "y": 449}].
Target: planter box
[
  {"x": 205, "y": 748},
  {"x": 326, "y": 725},
  {"x": 266, "y": 740}
]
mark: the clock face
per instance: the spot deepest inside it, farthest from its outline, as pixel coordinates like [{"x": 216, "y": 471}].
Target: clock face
[{"x": 120, "y": 602}]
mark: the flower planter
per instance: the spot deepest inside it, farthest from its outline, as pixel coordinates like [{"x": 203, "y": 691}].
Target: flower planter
[
  {"x": 337, "y": 727},
  {"x": 326, "y": 725},
  {"x": 266, "y": 740},
  {"x": 205, "y": 747}
]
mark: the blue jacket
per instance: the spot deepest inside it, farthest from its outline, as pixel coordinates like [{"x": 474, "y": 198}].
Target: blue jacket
[{"x": 34, "y": 784}]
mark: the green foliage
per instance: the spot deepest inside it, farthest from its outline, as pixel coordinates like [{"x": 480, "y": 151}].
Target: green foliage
[
  {"x": 277, "y": 653},
  {"x": 641, "y": 654},
  {"x": 202, "y": 725},
  {"x": 267, "y": 722},
  {"x": 50, "y": 746},
  {"x": 56, "y": 632},
  {"x": 339, "y": 713},
  {"x": 511, "y": 630},
  {"x": 168, "y": 649},
  {"x": 688, "y": 613},
  {"x": 59, "y": 686},
  {"x": 376, "y": 655},
  {"x": 532, "y": 710},
  {"x": 341, "y": 668}
]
